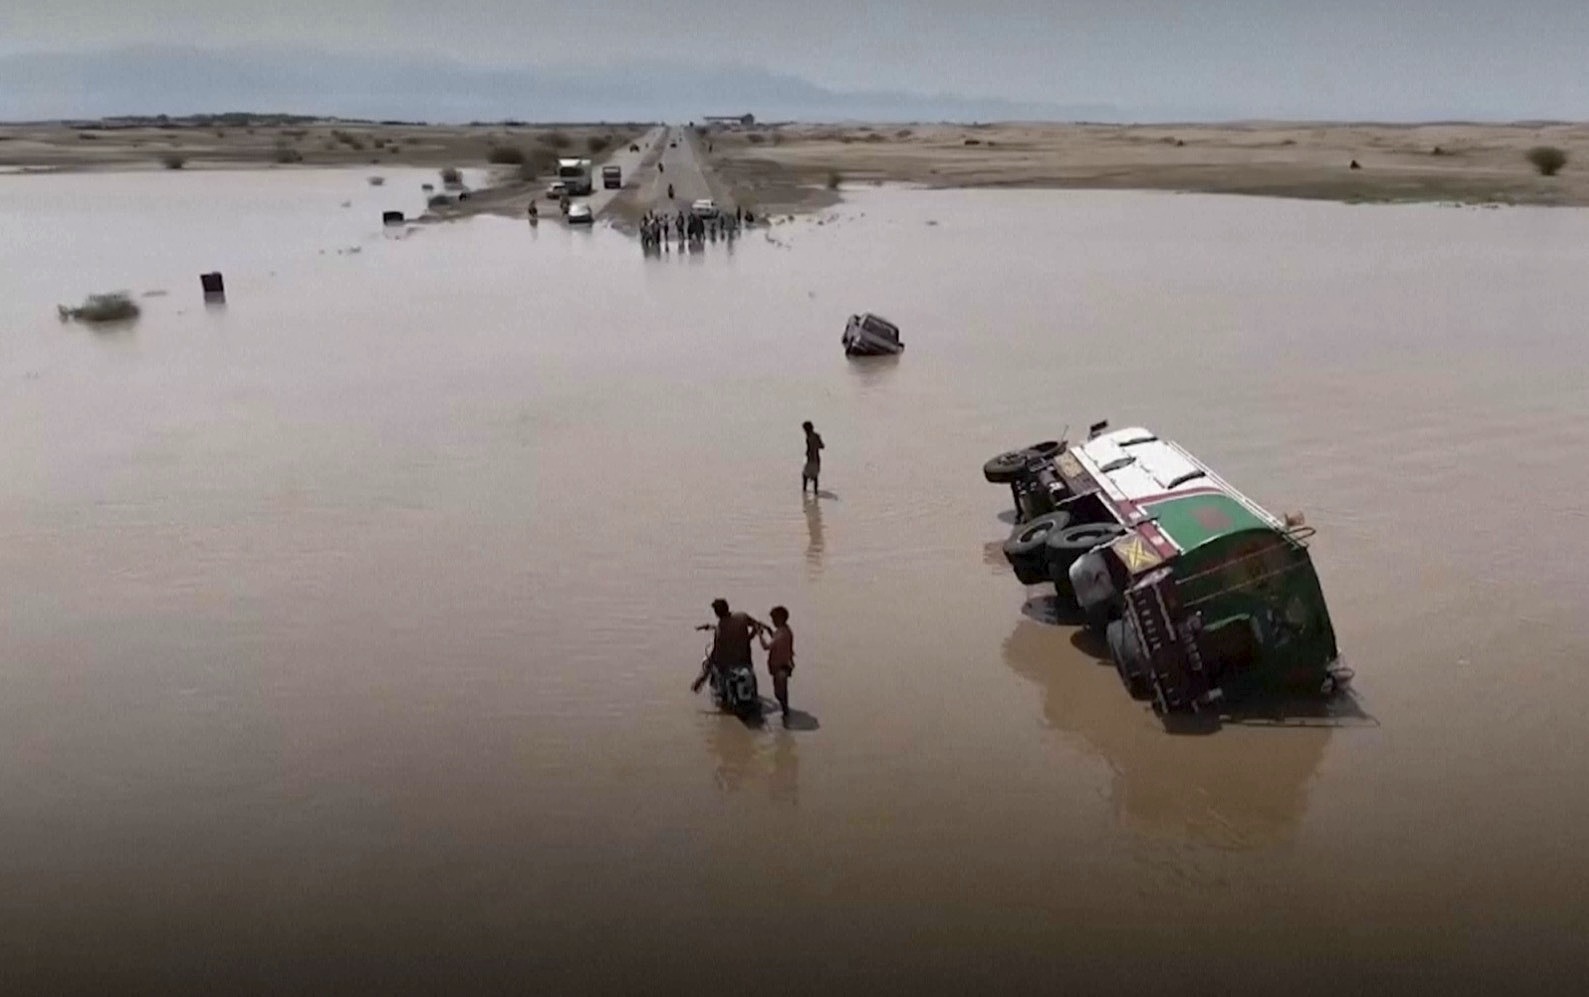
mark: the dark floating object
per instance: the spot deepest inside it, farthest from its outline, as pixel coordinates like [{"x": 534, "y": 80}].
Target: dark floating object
[
  {"x": 213, "y": 284},
  {"x": 391, "y": 218},
  {"x": 1355, "y": 165}
]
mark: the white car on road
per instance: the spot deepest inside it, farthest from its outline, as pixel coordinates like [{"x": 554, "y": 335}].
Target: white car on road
[
  {"x": 556, "y": 190},
  {"x": 704, "y": 208},
  {"x": 579, "y": 214}
]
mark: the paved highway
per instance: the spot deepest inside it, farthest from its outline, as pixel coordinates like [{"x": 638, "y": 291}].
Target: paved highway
[{"x": 683, "y": 167}]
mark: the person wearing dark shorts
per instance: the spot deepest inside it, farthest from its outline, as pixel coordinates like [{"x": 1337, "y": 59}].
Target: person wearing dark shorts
[
  {"x": 813, "y": 466},
  {"x": 780, "y": 655}
]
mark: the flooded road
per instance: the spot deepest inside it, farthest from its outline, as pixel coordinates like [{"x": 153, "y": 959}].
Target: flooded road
[{"x": 345, "y": 629}]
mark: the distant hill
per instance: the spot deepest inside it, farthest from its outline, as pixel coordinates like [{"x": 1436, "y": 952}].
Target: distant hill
[{"x": 149, "y": 80}]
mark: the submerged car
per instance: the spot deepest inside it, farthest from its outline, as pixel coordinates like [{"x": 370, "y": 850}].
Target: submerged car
[
  {"x": 704, "y": 208},
  {"x": 580, "y": 214},
  {"x": 1202, "y": 594},
  {"x": 871, "y": 335}
]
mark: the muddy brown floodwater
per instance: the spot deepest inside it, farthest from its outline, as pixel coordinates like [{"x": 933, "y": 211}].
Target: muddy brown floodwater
[{"x": 345, "y": 629}]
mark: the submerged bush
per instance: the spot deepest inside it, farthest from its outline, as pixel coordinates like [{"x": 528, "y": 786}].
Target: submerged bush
[
  {"x": 834, "y": 179},
  {"x": 1547, "y": 159},
  {"x": 117, "y": 306},
  {"x": 451, "y": 175},
  {"x": 172, "y": 161},
  {"x": 286, "y": 154}
]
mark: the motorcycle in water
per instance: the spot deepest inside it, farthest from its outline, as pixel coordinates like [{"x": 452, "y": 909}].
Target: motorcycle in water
[{"x": 734, "y": 689}]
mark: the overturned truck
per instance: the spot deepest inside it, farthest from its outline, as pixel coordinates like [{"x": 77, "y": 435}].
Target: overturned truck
[{"x": 1203, "y": 596}]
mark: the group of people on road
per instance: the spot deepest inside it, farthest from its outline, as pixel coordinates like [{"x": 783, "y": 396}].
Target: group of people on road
[
  {"x": 734, "y": 631},
  {"x": 661, "y": 230}
]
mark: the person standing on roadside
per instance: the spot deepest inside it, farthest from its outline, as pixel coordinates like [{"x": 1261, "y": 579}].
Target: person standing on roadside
[{"x": 813, "y": 466}]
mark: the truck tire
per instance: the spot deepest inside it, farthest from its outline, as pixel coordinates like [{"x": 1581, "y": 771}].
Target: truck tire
[
  {"x": 1065, "y": 546},
  {"x": 1130, "y": 659},
  {"x": 1026, "y": 549},
  {"x": 1006, "y": 467},
  {"x": 1011, "y": 464},
  {"x": 1094, "y": 590}
]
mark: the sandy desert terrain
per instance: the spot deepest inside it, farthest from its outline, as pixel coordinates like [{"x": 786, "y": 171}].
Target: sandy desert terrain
[{"x": 791, "y": 166}]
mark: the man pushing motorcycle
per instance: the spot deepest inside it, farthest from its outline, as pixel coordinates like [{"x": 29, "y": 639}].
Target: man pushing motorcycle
[{"x": 730, "y": 642}]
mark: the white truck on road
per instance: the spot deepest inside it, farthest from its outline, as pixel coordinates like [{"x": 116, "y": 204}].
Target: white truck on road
[{"x": 575, "y": 173}]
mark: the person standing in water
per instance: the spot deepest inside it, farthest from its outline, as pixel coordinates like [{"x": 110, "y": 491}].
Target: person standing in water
[
  {"x": 780, "y": 656},
  {"x": 731, "y": 636},
  {"x": 813, "y": 466}
]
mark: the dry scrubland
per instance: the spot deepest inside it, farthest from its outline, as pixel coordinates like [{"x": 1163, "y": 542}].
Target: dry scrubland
[
  {"x": 261, "y": 140},
  {"x": 792, "y": 166},
  {"x": 799, "y": 167}
]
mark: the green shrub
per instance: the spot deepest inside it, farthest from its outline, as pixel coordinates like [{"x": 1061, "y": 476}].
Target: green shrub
[
  {"x": 116, "y": 306},
  {"x": 1547, "y": 159},
  {"x": 834, "y": 179},
  {"x": 556, "y": 140},
  {"x": 286, "y": 154},
  {"x": 506, "y": 155},
  {"x": 537, "y": 163}
]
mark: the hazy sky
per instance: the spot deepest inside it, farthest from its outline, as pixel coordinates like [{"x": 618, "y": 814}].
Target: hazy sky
[{"x": 1481, "y": 58}]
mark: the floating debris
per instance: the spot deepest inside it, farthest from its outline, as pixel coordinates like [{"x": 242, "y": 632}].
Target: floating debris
[{"x": 377, "y": 181}]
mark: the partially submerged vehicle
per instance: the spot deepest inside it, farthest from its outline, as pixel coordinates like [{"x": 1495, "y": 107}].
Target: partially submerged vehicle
[
  {"x": 871, "y": 335},
  {"x": 1201, "y": 593},
  {"x": 579, "y": 213}
]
